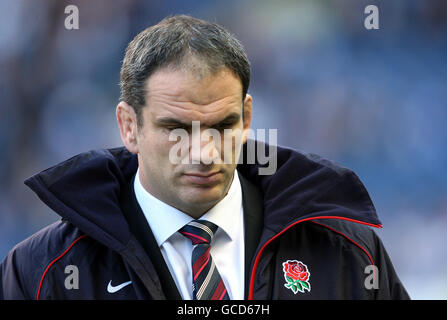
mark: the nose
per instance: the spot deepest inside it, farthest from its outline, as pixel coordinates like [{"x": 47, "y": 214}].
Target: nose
[{"x": 204, "y": 146}]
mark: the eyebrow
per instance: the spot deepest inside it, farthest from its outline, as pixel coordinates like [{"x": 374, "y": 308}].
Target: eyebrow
[{"x": 231, "y": 118}]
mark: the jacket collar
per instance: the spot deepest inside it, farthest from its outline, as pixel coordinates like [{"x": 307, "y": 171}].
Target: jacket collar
[
  {"x": 86, "y": 189},
  {"x": 306, "y": 186}
]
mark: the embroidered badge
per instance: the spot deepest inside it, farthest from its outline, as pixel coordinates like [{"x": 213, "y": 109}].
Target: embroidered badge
[{"x": 296, "y": 275}]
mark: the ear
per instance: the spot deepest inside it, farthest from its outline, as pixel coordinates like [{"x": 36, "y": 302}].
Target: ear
[
  {"x": 127, "y": 121},
  {"x": 248, "y": 104}
]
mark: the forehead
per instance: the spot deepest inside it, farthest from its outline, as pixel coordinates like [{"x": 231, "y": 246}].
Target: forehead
[{"x": 193, "y": 95}]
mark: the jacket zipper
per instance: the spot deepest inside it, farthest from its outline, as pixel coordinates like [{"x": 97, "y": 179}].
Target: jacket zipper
[{"x": 258, "y": 256}]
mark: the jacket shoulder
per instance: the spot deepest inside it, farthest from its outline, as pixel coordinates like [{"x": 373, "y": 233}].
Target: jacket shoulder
[
  {"x": 360, "y": 235},
  {"x": 365, "y": 238},
  {"x": 26, "y": 263}
]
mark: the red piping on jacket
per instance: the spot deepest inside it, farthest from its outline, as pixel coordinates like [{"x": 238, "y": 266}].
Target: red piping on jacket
[
  {"x": 52, "y": 262},
  {"x": 258, "y": 256},
  {"x": 358, "y": 245},
  {"x": 342, "y": 234}
]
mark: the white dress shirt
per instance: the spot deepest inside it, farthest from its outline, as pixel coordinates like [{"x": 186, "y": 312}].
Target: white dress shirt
[{"x": 227, "y": 246}]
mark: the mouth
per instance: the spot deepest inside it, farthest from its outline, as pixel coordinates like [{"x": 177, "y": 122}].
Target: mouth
[{"x": 203, "y": 178}]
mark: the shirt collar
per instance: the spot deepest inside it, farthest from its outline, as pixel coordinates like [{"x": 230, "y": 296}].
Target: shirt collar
[
  {"x": 226, "y": 213},
  {"x": 163, "y": 219},
  {"x": 166, "y": 220}
]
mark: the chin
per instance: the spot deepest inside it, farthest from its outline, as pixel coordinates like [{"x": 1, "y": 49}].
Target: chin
[{"x": 203, "y": 196}]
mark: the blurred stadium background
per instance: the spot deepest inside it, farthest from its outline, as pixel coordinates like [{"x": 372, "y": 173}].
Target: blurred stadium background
[{"x": 372, "y": 100}]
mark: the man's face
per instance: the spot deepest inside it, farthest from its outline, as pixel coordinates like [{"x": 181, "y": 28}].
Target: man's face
[{"x": 174, "y": 100}]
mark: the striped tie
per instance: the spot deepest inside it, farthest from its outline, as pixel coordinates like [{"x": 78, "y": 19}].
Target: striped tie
[{"x": 206, "y": 281}]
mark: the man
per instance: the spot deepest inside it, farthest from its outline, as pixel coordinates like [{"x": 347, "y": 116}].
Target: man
[{"x": 138, "y": 225}]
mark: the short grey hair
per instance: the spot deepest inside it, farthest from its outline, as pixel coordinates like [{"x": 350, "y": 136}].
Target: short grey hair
[{"x": 171, "y": 43}]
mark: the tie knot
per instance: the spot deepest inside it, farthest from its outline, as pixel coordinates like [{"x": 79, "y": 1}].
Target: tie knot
[{"x": 199, "y": 231}]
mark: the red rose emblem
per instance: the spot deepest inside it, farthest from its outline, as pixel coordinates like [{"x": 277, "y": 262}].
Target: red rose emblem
[
  {"x": 296, "y": 270},
  {"x": 297, "y": 276}
]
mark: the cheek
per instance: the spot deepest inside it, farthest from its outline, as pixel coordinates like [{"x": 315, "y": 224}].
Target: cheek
[
  {"x": 152, "y": 139},
  {"x": 232, "y": 143},
  {"x": 154, "y": 149}
]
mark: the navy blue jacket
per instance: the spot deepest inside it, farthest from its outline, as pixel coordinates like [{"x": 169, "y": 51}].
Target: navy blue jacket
[{"x": 308, "y": 235}]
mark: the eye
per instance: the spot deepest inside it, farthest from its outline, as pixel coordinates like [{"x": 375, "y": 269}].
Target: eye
[
  {"x": 173, "y": 127},
  {"x": 224, "y": 125}
]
